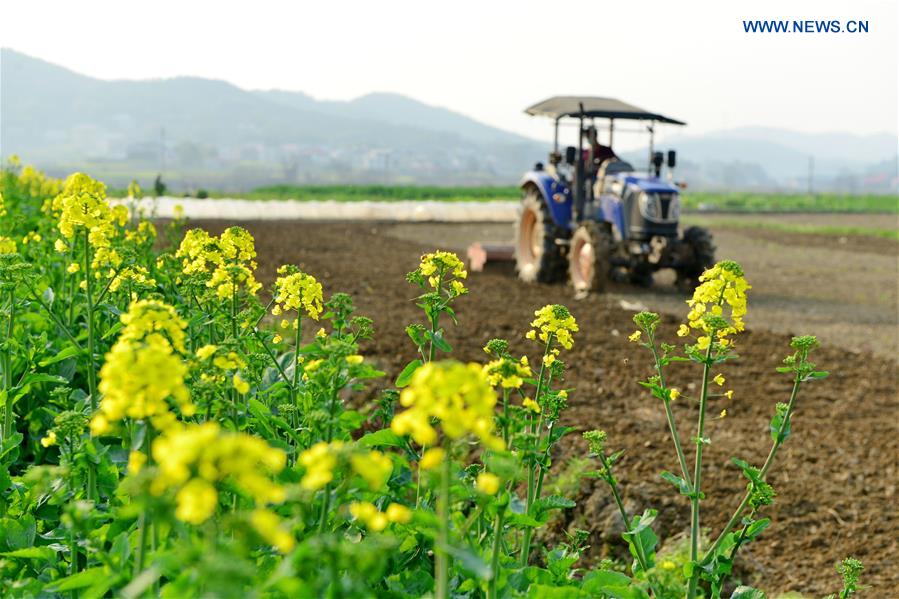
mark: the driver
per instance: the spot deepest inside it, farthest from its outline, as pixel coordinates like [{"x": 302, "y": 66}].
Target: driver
[{"x": 598, "y": 153}]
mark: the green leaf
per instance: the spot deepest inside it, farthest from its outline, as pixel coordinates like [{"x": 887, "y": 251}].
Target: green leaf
[
  {"x": 65, "y": 354},
  {"x": 470, "y": 562},
  {"x": 522, "y": 520},
  {"x": 678, "y": 482},
  {"x": 439, "y": 342},
  {"x": 749, "y": 471},
  {"x": 642, "y": 538},
  {"x": 43, "y": 553},
  {"x": 80, "y": 580},
  {"x": 32, "y": 378},
  {"x": 382, "y": 438},
  {"x": 756, "y": 528},
  {"x": 612, "y": 584},
  {"x": 19, "y": 533},
  {"x": 553, "y": 502},
  {"x": 745, "y": 592},
  {"x": 776, "y": 423},
  {"x": 113, "y": 330},
  {"x": 406, "y": 375},
  {"x": 351, "y": 419},
  {"x": 545, "y": 591},
  {"x": 817, "y": 375},
  {"x": 262, "y": 414}
]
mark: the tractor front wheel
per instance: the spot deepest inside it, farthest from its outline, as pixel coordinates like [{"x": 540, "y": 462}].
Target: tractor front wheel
[
  {"x": 589, "y": 257},
  {"x": 538, "y": 256},
  {"x": 699, "y": 255}
]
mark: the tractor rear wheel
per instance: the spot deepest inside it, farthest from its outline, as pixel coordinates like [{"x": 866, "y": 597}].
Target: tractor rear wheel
[
  {"x": 538, "y": 256},
  {"x": 699, "y": 256},
  {"x": 589, "y": 257}
]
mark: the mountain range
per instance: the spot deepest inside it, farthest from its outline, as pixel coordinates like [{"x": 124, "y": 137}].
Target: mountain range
[{"x": 210, "y": 133}]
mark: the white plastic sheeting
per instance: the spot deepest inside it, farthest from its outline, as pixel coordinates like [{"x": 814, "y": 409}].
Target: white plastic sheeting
[{"x": 399, "y": 211}]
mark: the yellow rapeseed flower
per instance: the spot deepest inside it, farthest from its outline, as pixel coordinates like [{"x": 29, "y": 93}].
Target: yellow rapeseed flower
[
  {"x": 7, "y": 245},
  {"x": 442, "y": 264},
  {"x": 635, "y": 336},
  {"x": 207, "y": 351},
  {"x": 320, "y": 460},
  {"x": 507, "y": 373},
  {"x": 296, "y": 291},
  {"x": 488, "y": 483},
  {"x": 197, "y": 501},
  {"x": 241, "y": 385},
  {"x": 722, "y": 285},
  {"x": 193, "y": 459},
  {"x": 531, "y": 405},
  {"x": 374, "y": 466},
  {"x": 136, "y": 461},
  {"x": 432, "y": 458},
  {"x": 458, "y": 396},
  {"x": 369, "y": 515},
  {"x": 82, "y": 207},
  {"x": 554, "y": 320},
  {"x": 143, "y": 370},
  {"x": 398, "y": 513},
  {"x": 719, "y": 379},
  {"x": 49, "y": 440},
  {"x": 269, "y": 526}
]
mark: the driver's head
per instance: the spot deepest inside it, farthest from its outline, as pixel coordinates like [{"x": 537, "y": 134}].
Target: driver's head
[{"x": 590, "y": 134}]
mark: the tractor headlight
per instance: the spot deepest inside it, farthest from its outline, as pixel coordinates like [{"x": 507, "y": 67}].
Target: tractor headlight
[
  {"x": 649, "y": 205},
  {"x": 674, "y": 208}
]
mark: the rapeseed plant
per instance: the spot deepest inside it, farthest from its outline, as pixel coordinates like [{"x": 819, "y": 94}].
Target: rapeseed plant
[{"x": 177, "y": 446}]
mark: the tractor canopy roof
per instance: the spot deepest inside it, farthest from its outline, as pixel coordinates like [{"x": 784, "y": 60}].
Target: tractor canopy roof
[{"x": 593, "y": 107}]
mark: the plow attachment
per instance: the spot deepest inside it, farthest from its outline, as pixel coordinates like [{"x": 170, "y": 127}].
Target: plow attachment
[{"x": 481, "y": 254}]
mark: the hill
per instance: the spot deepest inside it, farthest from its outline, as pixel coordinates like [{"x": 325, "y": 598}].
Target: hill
[{"x": 210, "y": 133}]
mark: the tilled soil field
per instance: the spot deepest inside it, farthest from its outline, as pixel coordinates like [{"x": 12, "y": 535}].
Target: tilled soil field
[{"x": 835, "y": 477}]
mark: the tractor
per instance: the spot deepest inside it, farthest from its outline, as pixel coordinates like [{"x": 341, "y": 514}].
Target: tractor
[{"x": 589, "y": 217}]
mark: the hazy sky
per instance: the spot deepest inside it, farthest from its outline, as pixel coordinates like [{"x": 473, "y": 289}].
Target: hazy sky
[{"x": 490, "y": 59}]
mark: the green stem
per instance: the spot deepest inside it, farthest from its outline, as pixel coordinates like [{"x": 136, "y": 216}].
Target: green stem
[
  {"x": 329, "y": 434},
  {"x": 7, "y": 369},
  {"x": 532, "y": 467},
  {"x": 91, "y": 352},
  {"x": 506, "y": 417},
  {"x": 62, "y": 326},
  {"x": 697, "y": 469},
  {"x": 73, "y": 551},
  {"x": 762, "y": 473},
  {"x": 142, "y": 522},
  {"x": 141, "y": 543},
  {"x": 296, "y": 361},
  {"x": 497, "y": 545},
  {"x": 441, "y": 556},
  {"x": 613, "y": 484},
  {"x": 91, "y": 374},
  {"x": 672, "y": 424},
  {"x": 273, "y": 358}
]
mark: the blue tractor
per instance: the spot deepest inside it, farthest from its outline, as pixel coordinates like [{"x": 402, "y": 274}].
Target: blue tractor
[{"x": 590, "y": 217}]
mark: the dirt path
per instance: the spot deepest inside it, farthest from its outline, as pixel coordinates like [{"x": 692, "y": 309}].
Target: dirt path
[
  {"x": 845, "y": 290},
  {"x": 836, "y": 476}
]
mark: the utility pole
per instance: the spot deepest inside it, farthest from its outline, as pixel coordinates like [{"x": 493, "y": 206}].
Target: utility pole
[
  {"x": 811, "y": 173},
  {"x": 161, "y": 150}
]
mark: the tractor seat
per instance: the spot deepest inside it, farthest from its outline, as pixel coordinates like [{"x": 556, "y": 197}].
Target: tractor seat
[
  {"x": 615, "y": 166},
  {"x": 609, "y": 167}
]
